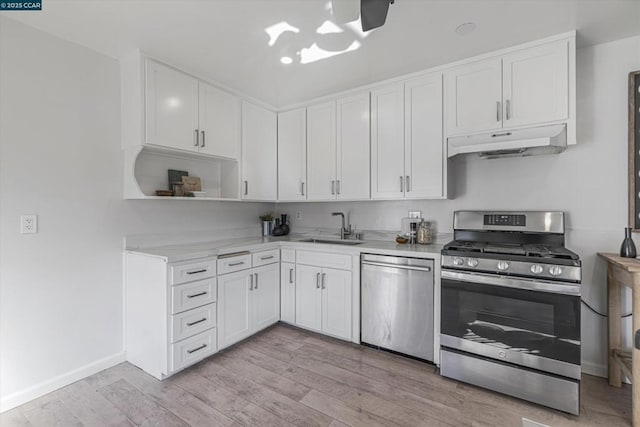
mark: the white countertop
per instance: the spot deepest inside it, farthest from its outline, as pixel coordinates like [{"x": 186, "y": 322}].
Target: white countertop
[{"x": 183, "y": 252}]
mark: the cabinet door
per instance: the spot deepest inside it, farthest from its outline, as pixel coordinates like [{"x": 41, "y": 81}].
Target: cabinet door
[
  {"x": 259, "y": 153},
  {"x": 336, "y": 302},
  {"x": 353, "y": 146},
  {"x": 220, "y": 122},
  {"x": 266, "y": 294},
  {"x": 424, "y": 143},
  {"x": 321, "y": 151},
  {"x": 536, "y": 85},
  {"x": 288, "y": 292},
  {"x": 474, "y": 97},
  {"x": 387, "y": 142},
  {"x": 234, "y": 314},
  {"x": 292, "y": 155},
  {"x": 171, "y": 101},
  {"x": 308, "y": 297}
]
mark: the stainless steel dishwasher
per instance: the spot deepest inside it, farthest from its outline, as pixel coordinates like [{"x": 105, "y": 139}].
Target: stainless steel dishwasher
[{"x": 396, "y": 304}]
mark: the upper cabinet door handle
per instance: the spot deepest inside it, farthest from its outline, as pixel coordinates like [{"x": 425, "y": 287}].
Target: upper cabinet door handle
[
  {"x": 401, "y": 184},
  {"x": 498, "y": 111},
  {"x": 406, "y": 180},
  {"x": 291, "y": 275},
  {"x": 246, "y": 188},
  {"x": 196, "y": 142},
  {"x": 508, "y": 108},
  {"x": 302, "y": 189},
  {"x": 202, "y": 133},
  {"x": 338, "y": 187},
  {"x": 333, "y": 187}
]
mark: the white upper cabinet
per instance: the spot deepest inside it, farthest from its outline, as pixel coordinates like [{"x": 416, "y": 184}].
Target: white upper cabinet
[
  {"x": 474, "y": 97},
  {"x": 292, "y": 155},
  {"x": 219, "y": 122},
  {"x": 171, "y": 106},
  {"x": 536, "y": 85},
  {"x": 321, "y": 151},
  {"x": 259, "y": 153},
  {"x": 425, "y": 160},
  {"x": 520, "y": 88},
  {"x": 387, "y": 142},
  {"x": 353, "y": 145}
]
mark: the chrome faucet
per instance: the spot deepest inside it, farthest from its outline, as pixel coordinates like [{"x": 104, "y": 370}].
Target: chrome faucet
[{"x": 343, "y": 231}]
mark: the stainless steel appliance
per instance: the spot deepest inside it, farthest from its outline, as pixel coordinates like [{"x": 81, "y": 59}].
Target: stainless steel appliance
[
  {"x": 510, "y": 307},
  {"x": 397, "y": 304}
]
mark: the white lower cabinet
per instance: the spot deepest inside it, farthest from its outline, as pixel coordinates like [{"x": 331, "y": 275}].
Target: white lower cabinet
[
  {"x": 288, "y": 292},
  {"x": 323, "y": 299},
  {"x": 248, "y": 301}
]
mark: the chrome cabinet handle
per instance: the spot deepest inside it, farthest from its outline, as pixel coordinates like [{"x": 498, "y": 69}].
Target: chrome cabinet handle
[
  {"x": 508, "y": 107},
  {"x": 197, "y": 295},
  {"x": 338, "y": 187},
  {"x": 497, "y": 135},
  {"x": 204, "y": 319},
  {"x": 324, "y": 280},
  {"x": 317, "y": 280},
  {"x": 202, "y": 134},
  {"x": 302, "y": 189},
  {"x": 267, "y": 257},
  {"x": 246, "y": 188},
  {"x": 251, "y": 284},
  {"x": 291, "y": 275},
  {"x": 401, "y": 184},
  {"x": 256, "y": 286},
  {"x": 498, "y": 110},
  {"x": 233, "y": 264},
  {"x": 406, "y": 180},
  {"x": 197, "y": 349},
  {"x": 197, "y": 271},
  {"x": 333, "y": 187},
  {"x": 196, "y": 139}
]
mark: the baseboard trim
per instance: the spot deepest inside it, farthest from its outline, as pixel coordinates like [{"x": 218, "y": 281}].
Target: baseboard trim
[
  {"x": 23, "y": 396},
  {"x": 594, "y": 369}
]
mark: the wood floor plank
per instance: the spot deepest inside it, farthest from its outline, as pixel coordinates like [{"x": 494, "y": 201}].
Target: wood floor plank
[
  {"x": 339, "y": 410},
  {"x": 259, "y": 375},
  {"x": 51, "y": 413},
  {"x": 282, "y": 406},
  {"x": 253, "y": 415},
  {"x": 91, "y": 407},
  {"x": 138, "y": 407},
  {"x": 250, "y": 355},
  {"x": 180, "y": 402}
]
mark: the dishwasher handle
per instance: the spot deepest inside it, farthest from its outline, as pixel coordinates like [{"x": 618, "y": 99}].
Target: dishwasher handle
[{"x": 399, "y": 266}]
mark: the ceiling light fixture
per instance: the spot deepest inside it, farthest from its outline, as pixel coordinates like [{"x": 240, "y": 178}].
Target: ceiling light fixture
[
  {"x": 286, "y": 60},
  {"x": 465, "y": 29}
]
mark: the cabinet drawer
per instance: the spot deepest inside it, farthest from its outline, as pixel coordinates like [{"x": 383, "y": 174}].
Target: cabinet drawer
[
  {"x": 192, "y": 322},
  {"x": 192, "y": 270},
  {"x": 193, "y": 349},
  {"x": 192, "y": 295},
  {"x": 236, "y": 263},
  {"x": 266, "y": 257},
  {"x": 323, "y": 259},
  {"x": 288, "y": 255}
]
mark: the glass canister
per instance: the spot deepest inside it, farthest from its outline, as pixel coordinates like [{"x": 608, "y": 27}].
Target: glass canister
[{"x": 424, "y": 234}]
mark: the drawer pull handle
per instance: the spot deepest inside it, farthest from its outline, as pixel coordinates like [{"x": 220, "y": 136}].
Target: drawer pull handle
[
  {"x": 233, "y": 264},
  {"x": 197, "y": 349},
  {"x": 266, "y": 257},
  {"x": 197, "y": 295},
  {"x": 204, "y": 270},
  {"x": 204, "y": 319}
]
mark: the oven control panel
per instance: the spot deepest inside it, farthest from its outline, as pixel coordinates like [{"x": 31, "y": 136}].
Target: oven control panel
[{"x": 507, "y": 220}]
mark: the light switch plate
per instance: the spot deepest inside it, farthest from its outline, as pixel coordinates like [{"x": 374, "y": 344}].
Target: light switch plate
[{"x": 28, "y": 224}]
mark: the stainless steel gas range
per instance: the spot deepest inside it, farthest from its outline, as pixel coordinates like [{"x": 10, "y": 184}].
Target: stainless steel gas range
[{"x": 510, "y": 307}]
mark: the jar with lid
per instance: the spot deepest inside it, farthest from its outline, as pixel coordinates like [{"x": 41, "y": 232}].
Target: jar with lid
[{"x": 424, "y": 233}]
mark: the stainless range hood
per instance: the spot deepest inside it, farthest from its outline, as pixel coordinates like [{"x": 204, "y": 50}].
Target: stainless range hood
[{"x": 513, "y": 143}]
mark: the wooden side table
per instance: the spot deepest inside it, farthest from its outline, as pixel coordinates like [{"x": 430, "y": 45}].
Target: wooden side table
[{"x": 623, "y": 272}]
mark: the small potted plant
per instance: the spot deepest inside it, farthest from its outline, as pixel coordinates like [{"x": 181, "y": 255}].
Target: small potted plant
[{"x": 267, "y": 221}]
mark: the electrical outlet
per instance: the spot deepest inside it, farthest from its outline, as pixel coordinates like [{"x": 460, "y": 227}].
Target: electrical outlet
[
  {"x": 28, "y": 224},
  {"x": 298, "y": 215}
]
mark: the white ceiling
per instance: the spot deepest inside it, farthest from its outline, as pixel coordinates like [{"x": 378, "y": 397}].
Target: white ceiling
[{"x": 225, "y": 40}]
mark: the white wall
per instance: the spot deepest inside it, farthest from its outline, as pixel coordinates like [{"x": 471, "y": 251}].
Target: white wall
[
  {"x": 61, "y": 289},
  {"x": 588, "y": 181}
]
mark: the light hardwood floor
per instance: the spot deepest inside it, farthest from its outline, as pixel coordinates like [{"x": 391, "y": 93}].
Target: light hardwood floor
[{"x": 289, "y": 377}]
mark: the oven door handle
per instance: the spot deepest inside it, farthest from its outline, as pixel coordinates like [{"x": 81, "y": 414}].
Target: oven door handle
[{"x": 511, "y": 282}]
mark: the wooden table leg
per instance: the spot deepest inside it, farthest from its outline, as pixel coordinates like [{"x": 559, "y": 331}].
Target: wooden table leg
[
  {"x": 615, "y": 373},
  {"x": 635, "y": 353}
]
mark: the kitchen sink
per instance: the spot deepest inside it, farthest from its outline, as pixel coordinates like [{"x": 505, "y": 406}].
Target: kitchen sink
[{"x": 332, "y": 241}]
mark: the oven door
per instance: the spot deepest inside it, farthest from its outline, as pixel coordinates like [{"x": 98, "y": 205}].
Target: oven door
[{"x": 525, "y": 322}]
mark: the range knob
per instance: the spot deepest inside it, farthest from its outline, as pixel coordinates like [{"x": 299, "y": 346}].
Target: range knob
[
  {"x": 472, "y": 262},
  {"x": 537, "y": 269},
  {"x": 555, "y": 270},
  {"x": 503, "y": 265},
  {"x": 458, "y": 261}
]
